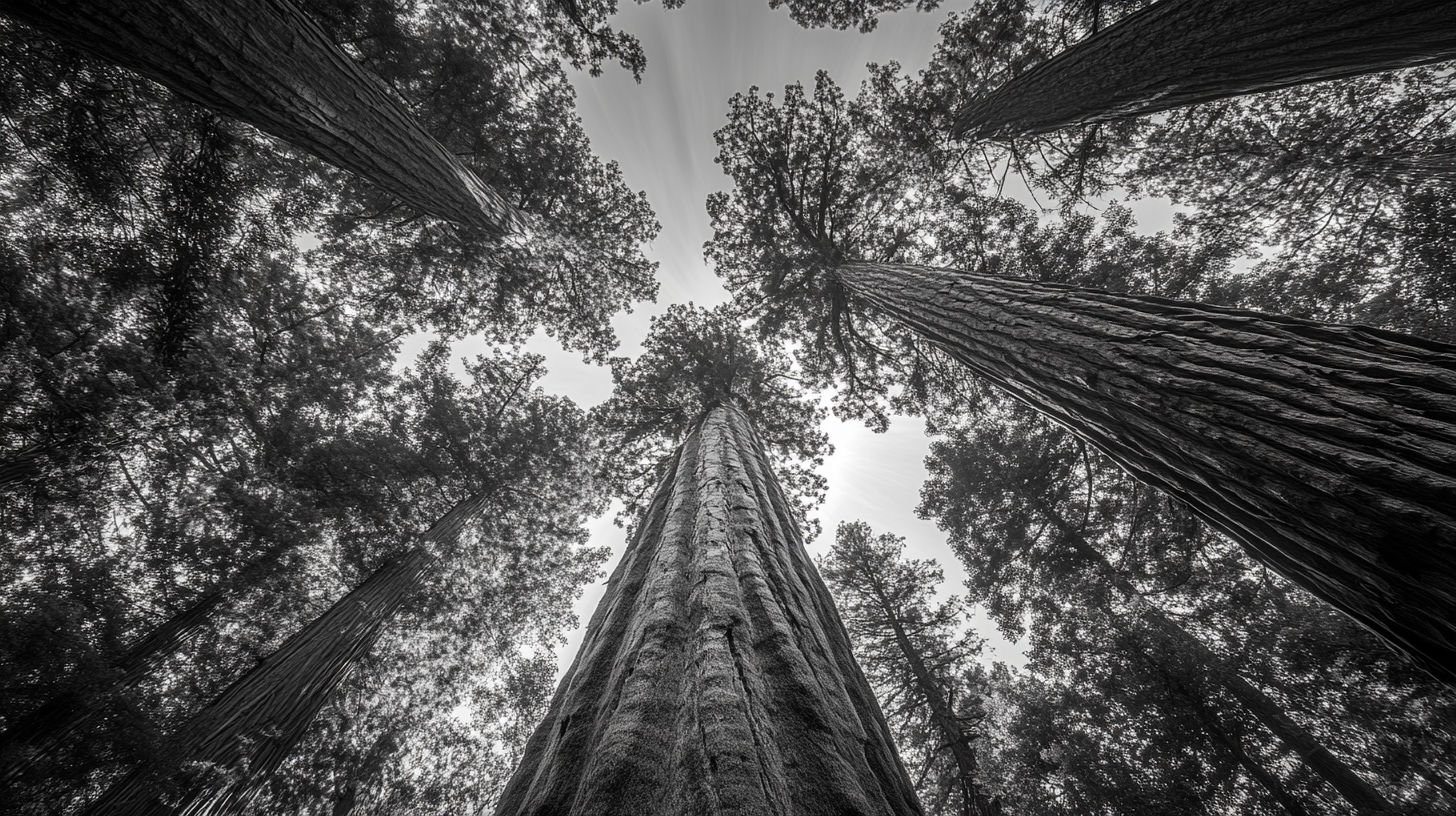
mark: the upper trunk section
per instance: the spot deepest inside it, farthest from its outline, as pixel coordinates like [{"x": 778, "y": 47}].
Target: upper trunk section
[
  {"x": 269, "y": 64},
  {"x": 1329, "y": 452},
  {"x": 1181, "y": 52},
  {"x": 715, "y": 677}
]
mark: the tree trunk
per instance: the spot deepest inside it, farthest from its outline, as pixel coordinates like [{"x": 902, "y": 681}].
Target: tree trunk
[
  {"x": 1436, "y": 780},
  {"x": 1256, "y": 771},
  {"x": 941, "y": 712},
  {"x": 1182, "y": 52},
  {"x": 56, "y": 722},
  {"x": 220, "y": 758},
  {"x": 24, "y": 464},
  {"x": 1328, "y": 452},
  {"x": 1362, "y": 797},
  {"x": 715, "y": 676},
  {"x": 269, "y": 64}
]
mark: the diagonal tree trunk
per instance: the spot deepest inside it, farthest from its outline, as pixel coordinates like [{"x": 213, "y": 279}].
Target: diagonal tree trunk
[
  {"x": 1182, "y": 52},
  {"x": 220, "y": 758},
  {"x": 41, "y": 733},
  {"x": 1328, "y": 452},
  {"x": 1361, "y": 796},
  {"x": 269, "y": 64},
  {"x": 715, "y": 677},
  {"x": 1256, "y": 771}
]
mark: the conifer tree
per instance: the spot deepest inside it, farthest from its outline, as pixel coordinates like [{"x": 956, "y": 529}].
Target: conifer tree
[
  {"x": 1327, "y": 451},
  {"x": 1182, "y": 52},
  {"x": 271, "y": 65},
  {"x": 912, "y": 652},
  {"x": 715, "y": 676}
]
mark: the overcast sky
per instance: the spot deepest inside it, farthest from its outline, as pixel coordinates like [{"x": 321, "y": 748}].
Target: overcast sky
[{"x": 661, "y": 133}]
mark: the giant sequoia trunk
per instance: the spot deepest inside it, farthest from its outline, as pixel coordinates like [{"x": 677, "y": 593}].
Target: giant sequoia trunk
[
  {"x": 220, "y": 758},
  {"x": 1361, "y": 796},
  {"x": 1181, "y": 52},
  {"x": 715, "y": 677},
  {"x": 267, "y": 63},
  {"x": 1328, "y": 452}
]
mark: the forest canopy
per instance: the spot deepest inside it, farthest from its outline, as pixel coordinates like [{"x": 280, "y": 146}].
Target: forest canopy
[{"x": 334, "y": 334}]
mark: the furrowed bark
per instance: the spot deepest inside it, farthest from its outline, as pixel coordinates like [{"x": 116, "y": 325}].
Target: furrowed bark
[
  {"x": 715, "y": 676},
  {"x": 231, "y": 747},
  {"x": 1328, "y": 452},
  {"x": 1361, "y": 796},
  {"x": 269, "y": 64},
  {"x": 1182, "y": 52}
]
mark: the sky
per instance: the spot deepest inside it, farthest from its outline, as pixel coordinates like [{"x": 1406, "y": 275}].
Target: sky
[{"x": 661, "y": 134}]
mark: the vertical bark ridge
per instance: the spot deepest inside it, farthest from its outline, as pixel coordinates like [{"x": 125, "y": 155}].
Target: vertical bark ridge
[
  {"x": 1328, "y": 452},
  {"x": 269, "y": 64},
  {"x": 715, "y": 676},
  {"x": 1182, "y": 52}
]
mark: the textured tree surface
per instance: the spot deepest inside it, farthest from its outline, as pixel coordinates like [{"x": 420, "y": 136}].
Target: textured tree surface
[
  {"x": 269, "y": 64},
  {"x": 1328, "y": 452},
  {"x": 715, "y": 676},
  {"x": 1181, "y": 52},
  {"x": 227, "y": 750}
]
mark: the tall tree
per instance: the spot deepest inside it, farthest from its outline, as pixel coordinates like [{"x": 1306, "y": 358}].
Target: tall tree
[
  {"x": 1182, "y": 52},
  {"x": 912, "y": 653},
  {"x": 715, "y": 676},
  {"x": 1328, "y": 452},
  {"x": 231, "y": 746},
  {"x": 271, "y": 65}
]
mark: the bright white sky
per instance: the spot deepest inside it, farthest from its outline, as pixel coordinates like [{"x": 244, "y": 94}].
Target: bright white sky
[{"x": 661, "y": 133}]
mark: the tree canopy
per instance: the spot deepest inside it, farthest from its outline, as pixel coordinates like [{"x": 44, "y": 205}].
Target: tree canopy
[{"x": 269, "y": 543}]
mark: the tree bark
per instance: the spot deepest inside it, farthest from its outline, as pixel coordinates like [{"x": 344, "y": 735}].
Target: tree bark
[
  {"x": 269, "y": 64},
  {"x": 1363, "y": 798},
  {"x": 1182, "y": 52},
  {"x": 231, "y": 747},
  {"x": 715, "y": 676},
  {"x": 1328, "y": 452}
]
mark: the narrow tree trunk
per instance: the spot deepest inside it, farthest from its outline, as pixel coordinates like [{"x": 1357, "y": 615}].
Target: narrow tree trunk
[
  {"x": 1182, "y": 52},
  {"x": 1436, "y": 780},
  {"x": 220, "y": 758},
  {"x": 24, "y": 464},
  {"x": 1256, "y": 771},
  {"x": 1328, "y": 452},
  {"x": 1362, "y": 797},
  {"x": 56, "y": 722},
  {"x": 715, "y": 676},
  {"x": 941, "y": 712},
  {"x": 269, "y": 64}
]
